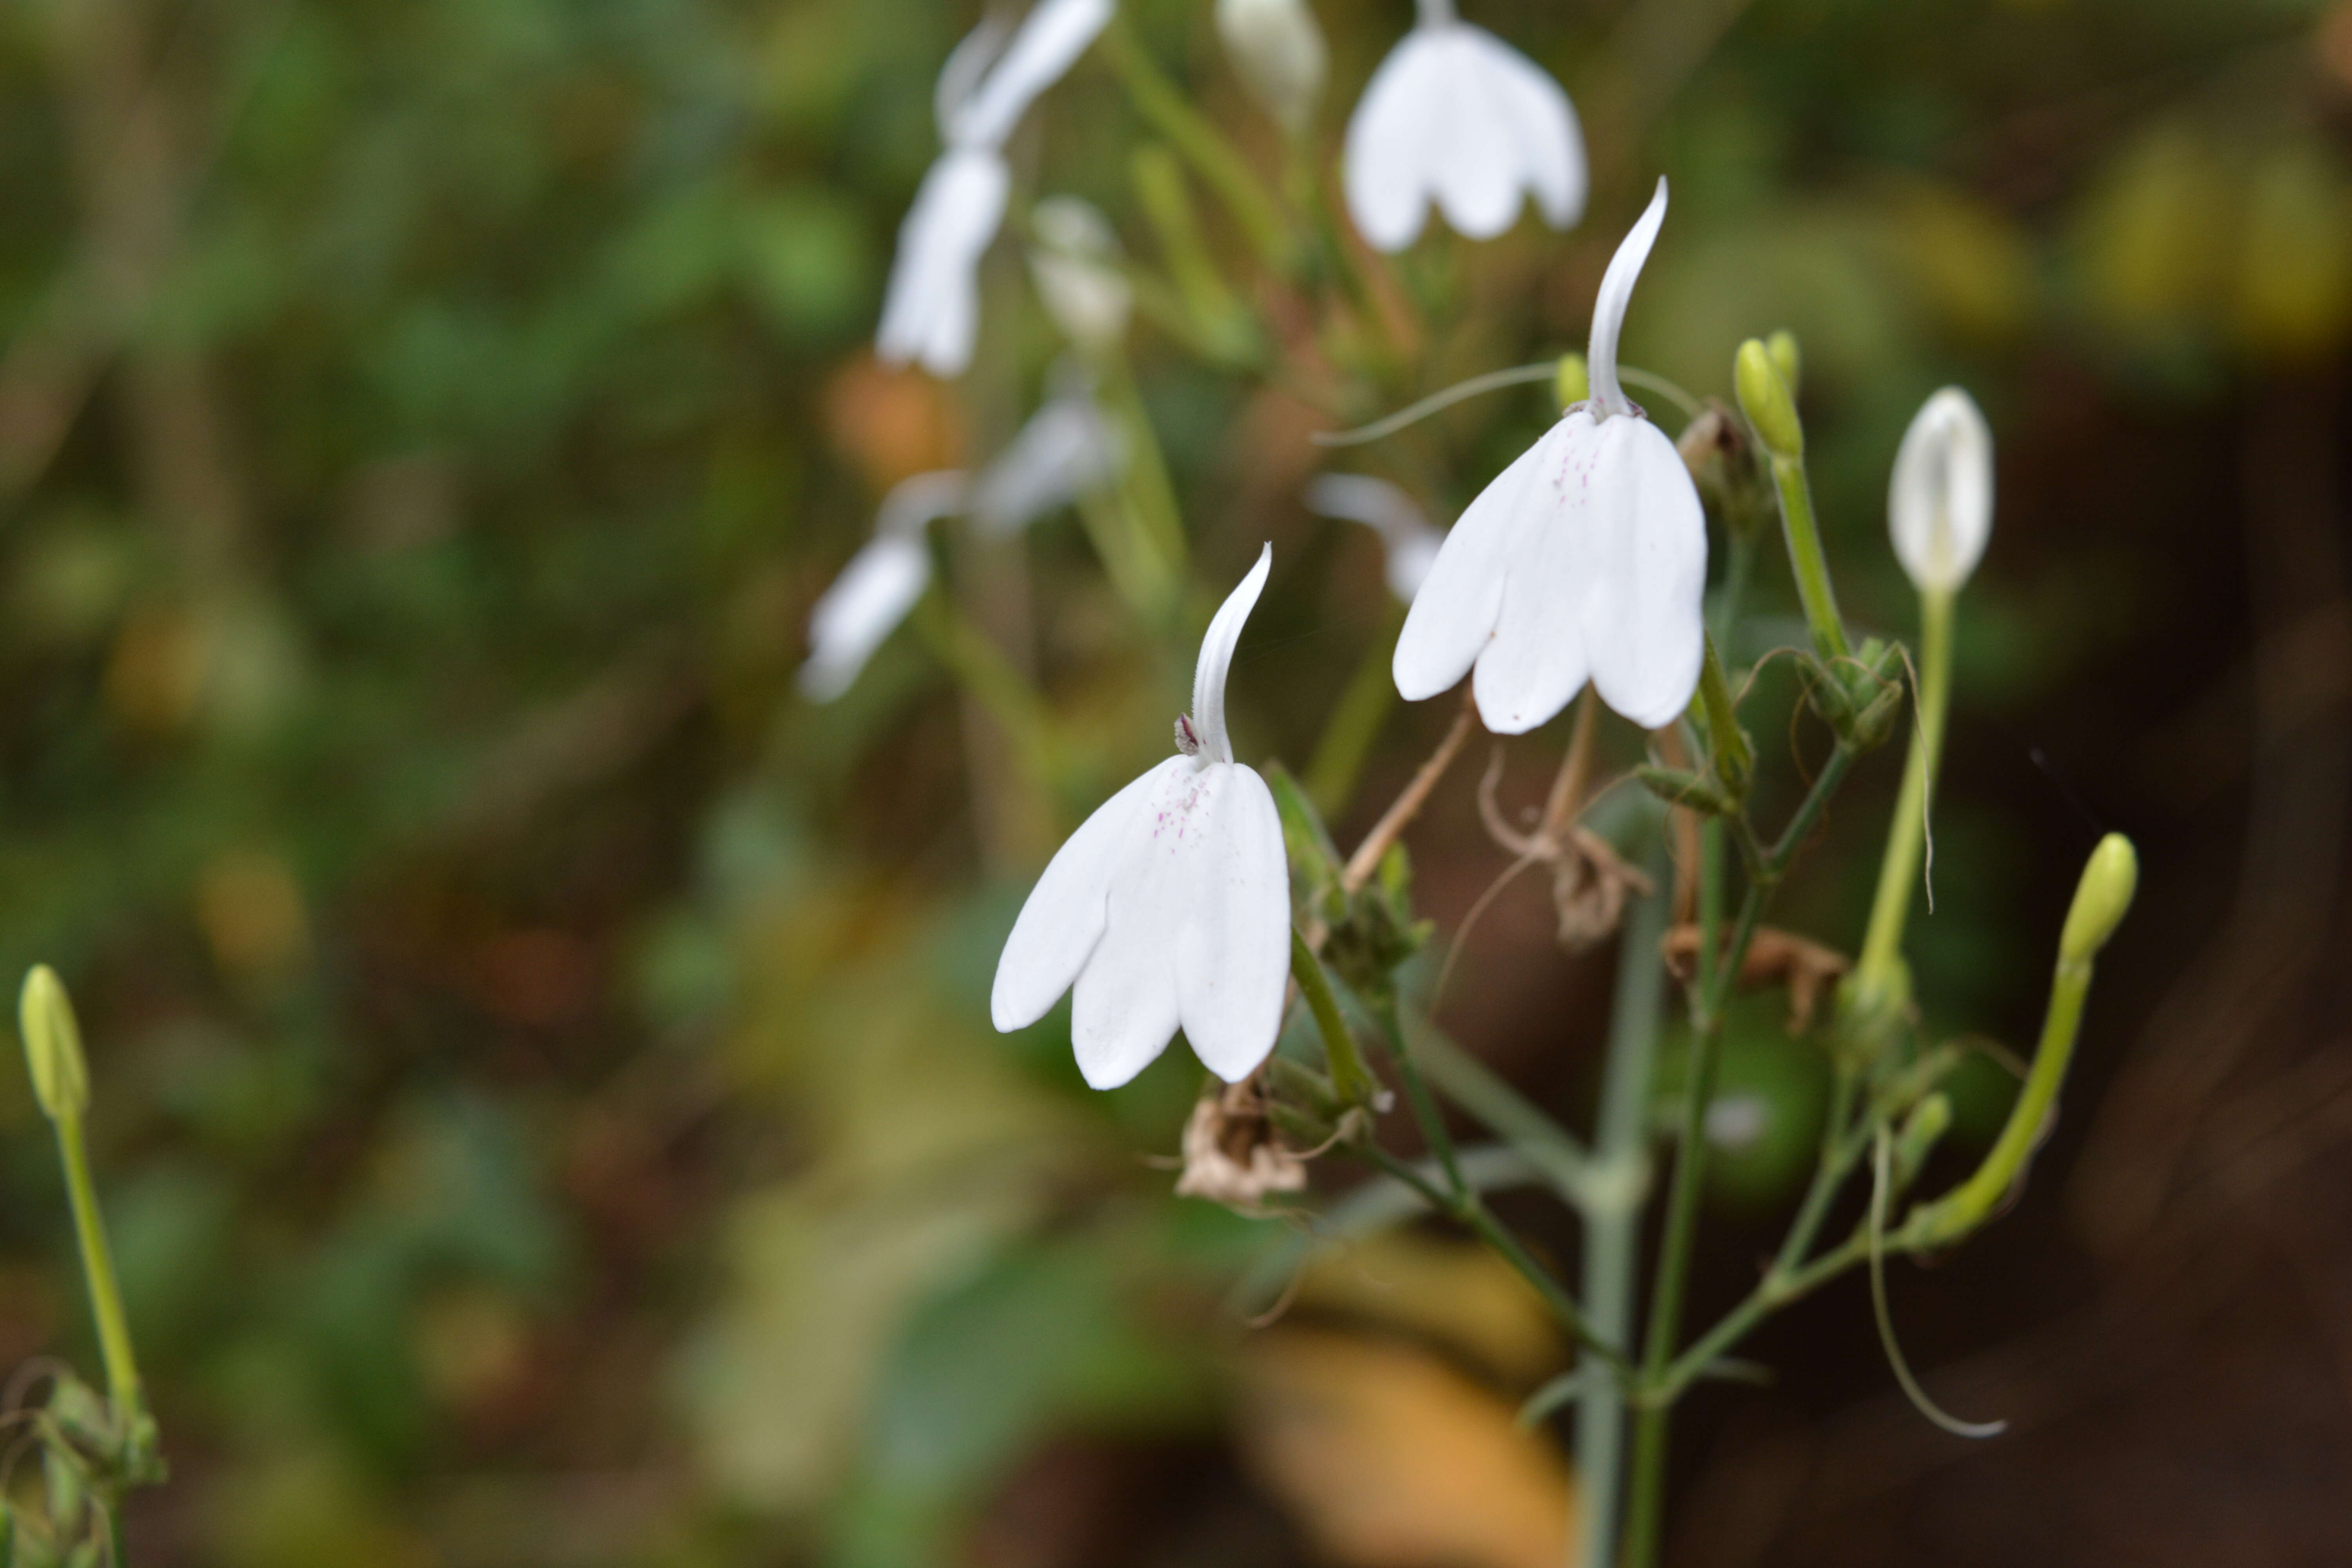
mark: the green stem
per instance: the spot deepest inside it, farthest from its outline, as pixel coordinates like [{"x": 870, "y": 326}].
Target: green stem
[
  {"x": 981, "y": 668},
  {"x": 1969, "y": 1205},
  {"x": 1212, "y": 157},
  {"x": 98, "y": 1268},
  {"x": 1349, "y": 1078},
  {"x": 1830, "y": 1171},
  {"x": 1145, "y": 478},
  {"x": 1619, "y": 1173},
  {"x": 1472, "y": 1085},
  {"x": 1347, "y": 739},
  {"x": 1876, "y": 980},
  {"x": 1805, "y": 558},
  {"x": 1416, "y": 1093}
]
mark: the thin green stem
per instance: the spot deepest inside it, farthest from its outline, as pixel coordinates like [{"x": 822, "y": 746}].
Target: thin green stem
[
  {"x": 1416, "y": 1094},
  {"x": 1146, "y": 476},
  {"x": 1612, "y": 1227},
  {"x": 1874, "y": 973},
  {"x": 1346, "y": 740},
  {"x": 1470, "y": 1084},
  {"x": 1805, "y": 558},
  {"x": 1829, "y": 1172},
  {"x": 1202, "y": 144},
  {"x": 979, "y": 666},
  {"x": 97, "y": 1268},
  {"x": 1349, "y": 1076}
]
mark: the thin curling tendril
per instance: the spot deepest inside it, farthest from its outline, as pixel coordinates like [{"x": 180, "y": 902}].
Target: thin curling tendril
[
  {"x": 1495, "y": 381},
  {"x": 1880, "y": 1178}
]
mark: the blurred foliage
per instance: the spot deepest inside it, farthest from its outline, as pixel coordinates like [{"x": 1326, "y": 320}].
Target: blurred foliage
[{"x": 543, "y": 1092}]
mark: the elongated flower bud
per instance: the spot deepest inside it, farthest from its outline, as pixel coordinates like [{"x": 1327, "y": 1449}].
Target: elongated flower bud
[
  {"x": 53, "y": 1044},
  {"x": 1075, "y": 265},
  {"x": 1278, "y": 52},
  {"x": 2101, "y": 899},
  {"x": 1939, "y": 502},
  {"x": 1569, "y": 384},
  {"x": 1765, "y": 398},
  {"x": 1787, "y": 358}
]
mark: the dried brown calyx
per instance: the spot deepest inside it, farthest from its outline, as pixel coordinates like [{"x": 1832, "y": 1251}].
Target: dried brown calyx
[
  {"x": 1232, "y": 1154},
  {"x": 1775, "y": 957}
]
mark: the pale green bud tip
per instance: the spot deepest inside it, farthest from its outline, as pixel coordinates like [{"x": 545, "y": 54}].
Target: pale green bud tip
[
  {"x": 2100, "y": 900},
  {"x": 1930, "y": 1119},
  {"x": 1765, "y": 398},
  {"x": 1569, "y": 384},
  {"x": 52, "y": 1044},
  {"x": 1787, "y": 358}
]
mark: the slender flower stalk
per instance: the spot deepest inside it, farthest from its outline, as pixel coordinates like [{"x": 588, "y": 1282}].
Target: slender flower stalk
[
  {"x": 1170, "y": 907},
  {"x": 1939, "y": 514},
  {"x": 1586, "y": 559}
]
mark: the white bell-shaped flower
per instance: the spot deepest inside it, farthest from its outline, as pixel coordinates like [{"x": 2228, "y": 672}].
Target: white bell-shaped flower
[
  {"x": 1939, "y": 502},
  {"x": 1457, "y": 116},
  {"x": 1410, "y": 544},
  {"x": 930, "y": 310},
  {"x": 1068, "y": 449},
  {"x": 1170, "y": 907},
  {"x": 1278, "y": 51},
  {"x": 881, "y": 585},
  {"x": 1586, "y": 559},
  {"x": 1075, "y": 264}
]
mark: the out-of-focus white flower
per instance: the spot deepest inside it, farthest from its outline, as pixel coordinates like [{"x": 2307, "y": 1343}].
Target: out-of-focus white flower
[
  {"x": 1068, "y": 449},
  {"x": 1457, "y": 116},
  {"x": 931, "y": 312},
  {"x": 1586, "y": 559},
  {"x": 1278, "y": 51},
  {"x": 880, "y": 585},
  {"x": 1170, "y": 907},
  {"x": 1075, "y": 264},
  {"x": 1939, "y": 502},
  {"x": 1409, "y": 542}
]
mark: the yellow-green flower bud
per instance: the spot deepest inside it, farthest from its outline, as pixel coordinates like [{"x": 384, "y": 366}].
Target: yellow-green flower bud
[
  {"x": 1787, "y": 358},
  {"x": 1570, "y": 384},
  {"x": 1765, "y": 398},
  {"x": 1928, "y": 1122},
  {"x": 52, "y": 1044},
  {"x": 2100, "y": 899}
]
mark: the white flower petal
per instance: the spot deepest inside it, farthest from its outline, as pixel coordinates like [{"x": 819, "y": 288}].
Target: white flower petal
[
  {"x": 1217, "y": 657},
  {"x": 1456, "y": 115},
  {"x": 1052, "y": 38},
  {"x": 1384, "y": 169},
  {"x": 1063, "y": 921},
  {"x": 1278, "y": 51},
  {"x": 931, "y": 310},
  {"x": 1550, "y": 142},
  {"x": 1608, "y": 307},
  {"x": 1233, "y": 950},
  {"x": 1454, "y": 613},
  {"x": 1409, "y": 542},
  {"x": 1067, "y": 449},
  {"x": 1939, "y": 502},
  {"x": 1539, "y": 658},
  {"x": 865, "y": 604},
  {"x": 1640, "y": 612},
  {"x": 1474, "y": 159},
  {"x": 967, "y": 63}
]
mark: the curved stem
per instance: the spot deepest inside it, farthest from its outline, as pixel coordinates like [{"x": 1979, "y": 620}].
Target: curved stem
[{"x": 1805, "y": 558}]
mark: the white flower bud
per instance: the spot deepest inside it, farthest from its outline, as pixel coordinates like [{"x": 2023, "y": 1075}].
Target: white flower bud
[
  {"x": 1939, "y": 502},
  {"x": 1278, "y": 51},
  {"x": 1075, "y": 265}
]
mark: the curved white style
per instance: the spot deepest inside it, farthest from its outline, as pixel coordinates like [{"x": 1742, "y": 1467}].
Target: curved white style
[
  {"x": 930, "y": 311},
  {"x": 1457, "y": 116},
  {"x": 1170, "y": 907},
  {"x": 1939, "y": 502},
  {"x": 1407, "y": 540},
  {"x": 1586, "y": 559}
]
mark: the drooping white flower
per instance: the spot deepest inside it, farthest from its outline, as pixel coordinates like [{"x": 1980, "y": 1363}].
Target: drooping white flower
[
  {"x": 1075, "y": 264},
  {"x": 930, "y": 311},
  {"x": 1409, "y": 542},
  {"x": 1457, "y": 116},
  {"x": 1170, "y": 907},
  {"x": 1586, "y": 559},
  {"x": 1068, "y": 449},
  {"x": 1939, "y": 502},
  {"x": 881, "y": 585},
  {"x": 1278, "y": 51}
]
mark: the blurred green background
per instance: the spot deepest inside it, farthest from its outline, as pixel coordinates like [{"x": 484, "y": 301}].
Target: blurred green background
[{"x": 544, "y": 1096}]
